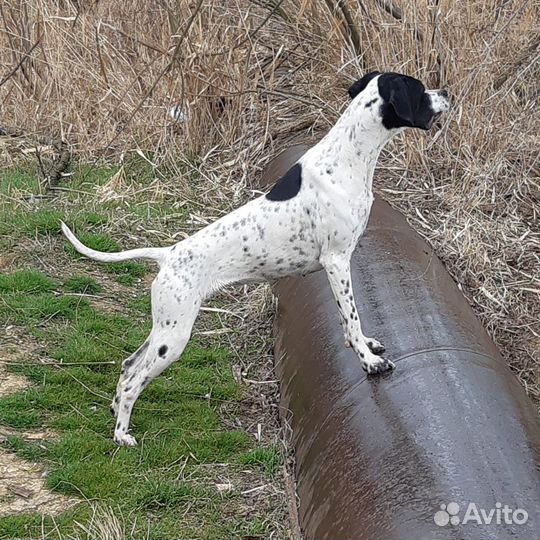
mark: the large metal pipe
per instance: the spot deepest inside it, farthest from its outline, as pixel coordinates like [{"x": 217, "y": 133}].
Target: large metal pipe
[{"x": 376, "y": 456}]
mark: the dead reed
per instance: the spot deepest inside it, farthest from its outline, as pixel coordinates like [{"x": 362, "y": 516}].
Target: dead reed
[{"x": 251, "y": 75}]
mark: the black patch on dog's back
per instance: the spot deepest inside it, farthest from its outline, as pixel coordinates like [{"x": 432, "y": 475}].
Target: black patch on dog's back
[{"x": 287, "y": 186}]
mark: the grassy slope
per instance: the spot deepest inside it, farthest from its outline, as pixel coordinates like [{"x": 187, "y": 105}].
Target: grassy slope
[{"x": 162, "y": 488}]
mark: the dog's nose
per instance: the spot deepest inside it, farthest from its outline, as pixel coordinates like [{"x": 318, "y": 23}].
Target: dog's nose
[{"x": 443, "y": 93}]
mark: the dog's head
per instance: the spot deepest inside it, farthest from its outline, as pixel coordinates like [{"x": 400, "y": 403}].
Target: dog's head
[{"x": 399, "y": 101}]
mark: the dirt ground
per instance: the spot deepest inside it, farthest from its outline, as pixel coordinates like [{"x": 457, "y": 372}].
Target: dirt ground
[{"x": 22, "y": 484}]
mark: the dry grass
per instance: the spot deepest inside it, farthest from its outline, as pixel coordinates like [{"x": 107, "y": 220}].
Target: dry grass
[{"x": 102, "y": 76}]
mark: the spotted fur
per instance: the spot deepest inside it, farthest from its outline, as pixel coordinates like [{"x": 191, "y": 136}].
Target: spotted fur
[{"x": 311, "y": 219}]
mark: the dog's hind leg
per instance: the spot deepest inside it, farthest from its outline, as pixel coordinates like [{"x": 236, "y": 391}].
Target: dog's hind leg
[
  {"x": 128, "y": 366},
  {"x": 174, "y": 313}
]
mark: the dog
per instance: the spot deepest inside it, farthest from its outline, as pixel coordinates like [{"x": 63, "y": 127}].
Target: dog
[{"x": 311, "y": 219}]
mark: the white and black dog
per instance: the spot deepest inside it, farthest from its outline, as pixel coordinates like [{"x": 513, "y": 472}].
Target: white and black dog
[{"x": 311, "y": 219}]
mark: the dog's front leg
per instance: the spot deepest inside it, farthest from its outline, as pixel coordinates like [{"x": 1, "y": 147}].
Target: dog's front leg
[{"x": 338, "y": 270}]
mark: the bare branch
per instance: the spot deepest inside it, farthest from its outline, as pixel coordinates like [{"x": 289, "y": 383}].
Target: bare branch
[
  {"x": 349, "y": 31},
  {"x": 25, "y": 56},
  {"x": 390, "y": 8}
]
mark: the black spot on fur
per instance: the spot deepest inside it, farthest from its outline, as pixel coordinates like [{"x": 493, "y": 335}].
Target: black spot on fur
[
  {"x": 163, "y": 350},
  {"x": 287, "y": 186},
  {"x": 370, "y": 103}
]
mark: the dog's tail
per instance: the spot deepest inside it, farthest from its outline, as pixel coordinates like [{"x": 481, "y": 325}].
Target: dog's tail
[{"x": 156, "y": 254}]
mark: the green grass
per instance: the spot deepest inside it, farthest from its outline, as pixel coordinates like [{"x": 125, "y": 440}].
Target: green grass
[
  {"x": 160, "y": 486},
  {"x": 266, "y": 458},
  {"x": 24, "y": 179},
  {"x": 33, "y": 222},
  {"x": 42, "y": 221},
  {"x": 34, "y": 309},
  {"x": 30, "y": 281},
  {"x": 142, "y": 303},
  {"x": 175, "y": 421},
  {"x": 82, "y": 284}
]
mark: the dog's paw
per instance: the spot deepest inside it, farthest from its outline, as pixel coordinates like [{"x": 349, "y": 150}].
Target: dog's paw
[
  {"x": 376, "y": 347},
  {"x": 125, "y": 439},
  {"x": 375, "y": 364}
]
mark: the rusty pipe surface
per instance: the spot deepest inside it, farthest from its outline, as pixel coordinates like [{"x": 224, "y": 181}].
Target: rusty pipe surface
[{"x": 376, "y": 456}]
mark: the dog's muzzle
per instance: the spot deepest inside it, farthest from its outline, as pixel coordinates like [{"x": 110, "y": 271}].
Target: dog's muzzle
[{"x": 440, "y": 103}]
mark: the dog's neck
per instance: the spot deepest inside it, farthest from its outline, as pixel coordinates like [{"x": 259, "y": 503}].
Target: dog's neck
[{"x": 350, "y": 150}]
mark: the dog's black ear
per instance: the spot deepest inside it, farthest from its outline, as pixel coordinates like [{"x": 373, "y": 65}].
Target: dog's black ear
[
  {"x": 359, "y": 85},
  {"x": 406, "y": 103},
  {"x": 404, "y": 98}
]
